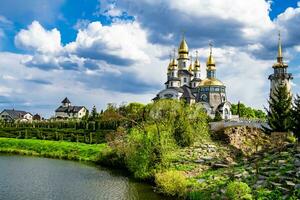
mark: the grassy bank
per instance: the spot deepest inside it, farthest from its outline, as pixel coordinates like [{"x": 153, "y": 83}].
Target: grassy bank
[{"x": 52, "y": 149}]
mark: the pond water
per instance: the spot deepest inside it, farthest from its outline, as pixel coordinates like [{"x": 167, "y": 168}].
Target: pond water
[{"x": 33, "y": 178}]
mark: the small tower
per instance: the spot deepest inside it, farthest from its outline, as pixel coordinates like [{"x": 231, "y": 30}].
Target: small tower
[
  {"x": 211, "y": 65},
  {"x": 173, "y": 79},
  {"x": 183, "y": 54},
  {"x": 212, "y": 92},
  {"x": 197, "y": 76},
  {"x": 280, "y": 75},
  {"x": 191, "y": 67},
  {"x": 66, "y": 102}
]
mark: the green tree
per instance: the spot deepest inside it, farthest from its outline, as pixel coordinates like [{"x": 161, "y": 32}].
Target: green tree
[
  {"x": 296, "y": 116},
  {"x": 218, "y": 117},
  {"x": 247, "y": 112},
  {"x": 279, "y": 116},
  {"x": 94, "y": 114}
]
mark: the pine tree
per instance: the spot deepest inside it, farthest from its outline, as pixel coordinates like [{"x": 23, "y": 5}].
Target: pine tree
[
  {"x": 279, "y": 115},
  {"x": 296, "y": 116},
  {"x": 94, "y": 113}
]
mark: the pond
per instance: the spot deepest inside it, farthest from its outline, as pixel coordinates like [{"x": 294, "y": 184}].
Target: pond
[{"x": 33, "y": 178}]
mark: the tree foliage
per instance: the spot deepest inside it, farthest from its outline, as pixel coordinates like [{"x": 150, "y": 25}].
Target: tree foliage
[
  {"x": 279, "y": 115},
  {"x": 296, "y": 116},
  {"x": 218, "y": 117},
  {"x": 247, "y": 112},
  {"x": 155, "y": 131}
]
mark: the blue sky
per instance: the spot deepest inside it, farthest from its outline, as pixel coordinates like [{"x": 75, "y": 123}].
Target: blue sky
[{"x": 101, "y": 51}]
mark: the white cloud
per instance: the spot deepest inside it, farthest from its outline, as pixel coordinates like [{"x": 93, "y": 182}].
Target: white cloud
[
  {"x": 38, "y": 92},
  {"x": 124, "y": 40},
  {"x": 4, "y": 20},
  {"x": 126, "y": 61},
  {"x": 38, "y": 39},
  {"x": 108, "y": 8},
  {"x": 253, "y": 14},
  {"x": 81, "y": 24}
]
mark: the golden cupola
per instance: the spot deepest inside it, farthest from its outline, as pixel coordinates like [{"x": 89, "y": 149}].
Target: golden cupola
[
  {"x": 170, "y": 66},
  {"x": 173, "y": 64},
  {"x": 183, "y": 49},
  {"x": 191, "y": 67},
  {"x": 210, "y": 63},
  {"x": 197, "y": 62}
]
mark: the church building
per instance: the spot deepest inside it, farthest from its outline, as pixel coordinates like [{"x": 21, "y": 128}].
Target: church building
[{"x": 184, "y": 83}]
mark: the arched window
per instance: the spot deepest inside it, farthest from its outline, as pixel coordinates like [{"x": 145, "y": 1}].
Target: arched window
[{"x": 203, "y": 97}]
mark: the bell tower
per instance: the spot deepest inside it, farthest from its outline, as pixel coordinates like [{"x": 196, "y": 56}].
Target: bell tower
[{"x": 280, "y": 75}]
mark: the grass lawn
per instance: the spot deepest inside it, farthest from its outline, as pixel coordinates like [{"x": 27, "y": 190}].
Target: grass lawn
[{"x": 52, "y": 149}]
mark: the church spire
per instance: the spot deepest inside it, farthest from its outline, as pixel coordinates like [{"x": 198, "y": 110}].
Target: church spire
[{"x": 279, "y": 56}]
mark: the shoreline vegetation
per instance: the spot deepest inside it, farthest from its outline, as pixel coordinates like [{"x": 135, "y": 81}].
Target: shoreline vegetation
[
  {"x": 52, "y": 149},
  {"x": 168, "y": 144}
]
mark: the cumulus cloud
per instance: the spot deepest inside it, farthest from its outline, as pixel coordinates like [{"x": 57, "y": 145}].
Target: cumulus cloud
[
  {"x": 120, "y": 43},
  {"x": 117, "y": 57},
  {"x": 34, "y": 90},
  {"x": 234, "y": 20},
  {"x": 127, "y": 59},
  {"x": 38, "y": 39}
]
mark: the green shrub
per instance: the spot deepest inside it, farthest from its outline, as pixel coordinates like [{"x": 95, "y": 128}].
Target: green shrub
[
  {"x": 265, "y": 194},
  {"x": 238, "y": 190},
  {"x": 171, "y": 183},
  {"x": 146, "y": 150},
  {"x": 291, "y": 138}
]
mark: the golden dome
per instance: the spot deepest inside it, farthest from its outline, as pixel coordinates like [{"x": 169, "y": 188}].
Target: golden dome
[
  {"x": 170, "y": 67},
  {"x": 191, "y": 68},
  {"x": 183, "y": 47},
  {"x": 211, "y": 82},
  {"x": 280, "y": 65},
  {"x": 197, "y": 64},
  {"x": 173, "y": 64},
  {"x": 210, "y": 61}
]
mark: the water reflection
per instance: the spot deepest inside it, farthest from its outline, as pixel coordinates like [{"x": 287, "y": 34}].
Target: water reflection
[{"x": 30, "y": 178}]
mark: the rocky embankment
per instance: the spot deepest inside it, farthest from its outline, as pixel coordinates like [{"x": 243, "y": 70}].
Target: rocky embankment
[{"x": 242, "y": 154}]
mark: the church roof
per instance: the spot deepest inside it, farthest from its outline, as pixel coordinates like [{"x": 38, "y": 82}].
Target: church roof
[
  {"x": 211, "y": 82},
  {"x": 196, "y": 79},
  {"x": 184, "y": 71},
  {"x": 174, "y": 79},
  {"x": 66, "y": 100},
  {"x": 69, "y": 109},
  {"x": 15, "y": 114}
]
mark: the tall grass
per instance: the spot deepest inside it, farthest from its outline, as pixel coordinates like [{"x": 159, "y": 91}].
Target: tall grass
[{"x": 52, "y": 149}]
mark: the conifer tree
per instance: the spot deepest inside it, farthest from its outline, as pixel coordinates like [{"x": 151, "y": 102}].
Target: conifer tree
[
  {"x": 279, "y": 115},
  {"x": 296, "y": 116},
  {"x": 94, "y": 113}
]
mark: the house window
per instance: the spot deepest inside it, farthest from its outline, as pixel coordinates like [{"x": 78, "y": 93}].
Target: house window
[{"x": 184, "y": 80}]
